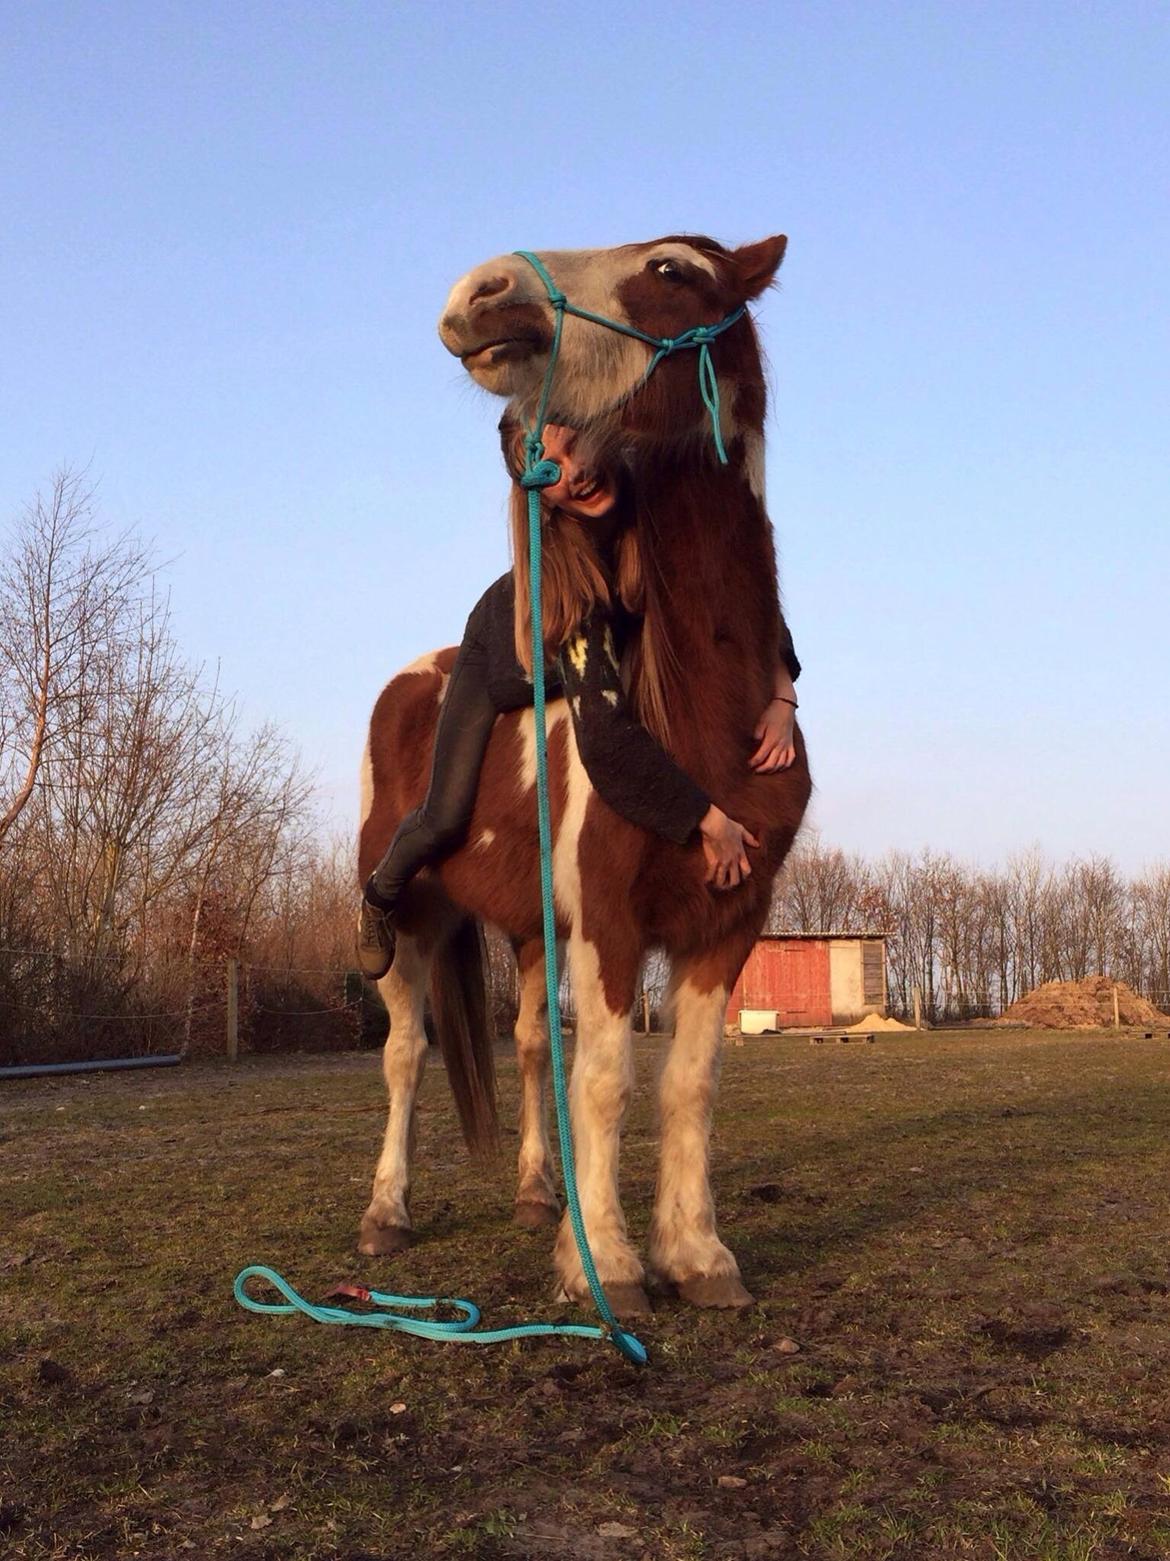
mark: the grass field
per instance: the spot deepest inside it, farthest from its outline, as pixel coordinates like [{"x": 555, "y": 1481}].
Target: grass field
[{"x": 966, "y": 1234}]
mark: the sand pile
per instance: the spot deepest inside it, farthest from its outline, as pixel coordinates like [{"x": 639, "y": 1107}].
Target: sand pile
[
  {"x": 1081, "y": 1005},
  {"x": 876, "y": 1022}
]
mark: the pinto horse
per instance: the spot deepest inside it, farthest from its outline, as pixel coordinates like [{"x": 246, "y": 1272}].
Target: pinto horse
[{"x": 709, "y": 641}]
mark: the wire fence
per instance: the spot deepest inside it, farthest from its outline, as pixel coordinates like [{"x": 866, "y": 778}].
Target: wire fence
[{"x": 58, "y": 1007}]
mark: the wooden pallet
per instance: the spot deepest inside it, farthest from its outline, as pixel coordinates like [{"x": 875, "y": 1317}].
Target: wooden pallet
[
  {"x": 834, "y": 1033},
  {"x": 815, "y": 1037}
]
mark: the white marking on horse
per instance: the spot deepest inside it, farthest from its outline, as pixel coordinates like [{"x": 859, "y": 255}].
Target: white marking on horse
[
  {"x": 552, "y": 714},
  {"x": 404, "y": 1057},
  {"x": 366, "y": 784},
  {"x": 602, "y": 1067},
  {"x": 425, "y": 663},
  {"x": 753, "y": 462},
  {"x": 684, "y": 1243}
]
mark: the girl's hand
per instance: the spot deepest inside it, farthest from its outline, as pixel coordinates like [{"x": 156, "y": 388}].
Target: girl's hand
[
  {"x": 775, "y": 733},
  {"x": 725, "y": 849}
]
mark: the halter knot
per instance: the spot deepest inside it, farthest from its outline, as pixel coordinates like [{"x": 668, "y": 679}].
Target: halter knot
[{"x": 543, "y": 474}]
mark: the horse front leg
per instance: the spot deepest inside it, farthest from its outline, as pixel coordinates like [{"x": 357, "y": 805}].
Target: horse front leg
[
  {"x": 599, "y": 1093},
  {"x": 536, "y": 1192},
  {"x": 685, "y": 1250},
  {"x": 386, "y": 1225}
]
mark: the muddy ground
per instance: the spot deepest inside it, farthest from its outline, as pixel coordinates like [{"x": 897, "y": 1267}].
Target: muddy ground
[{"x": 967, "y": 1235}]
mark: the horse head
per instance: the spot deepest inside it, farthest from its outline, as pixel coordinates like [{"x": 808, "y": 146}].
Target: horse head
[{"x": 499, "y": 321}]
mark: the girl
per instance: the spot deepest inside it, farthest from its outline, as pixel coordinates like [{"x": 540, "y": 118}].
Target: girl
[{"x": 591, "y": 590}]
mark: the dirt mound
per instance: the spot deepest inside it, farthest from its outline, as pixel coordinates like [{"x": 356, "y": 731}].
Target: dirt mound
[
  {"x": 1081, "y": 1005},
  {"x": 876, "y": 1022}
]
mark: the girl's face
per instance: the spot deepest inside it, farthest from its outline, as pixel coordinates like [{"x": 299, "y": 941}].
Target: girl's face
[{"x": 581, "y": 492}]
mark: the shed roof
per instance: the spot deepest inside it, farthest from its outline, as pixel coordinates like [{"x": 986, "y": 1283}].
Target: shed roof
[{"x": 822, "y": 937}]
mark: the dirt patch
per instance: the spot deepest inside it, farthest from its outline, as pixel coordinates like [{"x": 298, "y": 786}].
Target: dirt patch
[
  {"x": 1080, "y": 1005},
  {"x": 876, "y": 1022}
]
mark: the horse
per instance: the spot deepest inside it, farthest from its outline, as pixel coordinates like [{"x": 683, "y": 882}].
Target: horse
[{"x": 708, "y": 646}]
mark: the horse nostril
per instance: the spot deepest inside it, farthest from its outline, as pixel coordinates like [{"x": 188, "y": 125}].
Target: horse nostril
[{"x": 490, "y": 287}]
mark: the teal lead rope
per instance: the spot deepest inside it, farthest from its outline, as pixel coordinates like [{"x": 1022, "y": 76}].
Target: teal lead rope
[
  {"x": 538, "y": 474},
  {"x": 457, "y": 1331}
]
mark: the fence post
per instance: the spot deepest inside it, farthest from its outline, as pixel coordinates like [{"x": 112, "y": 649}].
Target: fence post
[
  {"x": 1116, "y": 1009},
  {"x": 645, "y": 1011},
  {"x": 918, "y": 1008},
  {"x": 233, "y": 1010}
]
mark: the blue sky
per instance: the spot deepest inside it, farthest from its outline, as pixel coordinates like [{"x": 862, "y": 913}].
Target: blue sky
[{"x": 229, "y": 229}]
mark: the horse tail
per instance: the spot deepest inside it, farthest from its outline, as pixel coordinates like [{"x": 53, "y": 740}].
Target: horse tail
[{"x": 459, "y": 1006}]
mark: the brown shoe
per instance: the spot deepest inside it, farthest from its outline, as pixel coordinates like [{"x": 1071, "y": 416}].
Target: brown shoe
[{"x": 375, "y": 941}]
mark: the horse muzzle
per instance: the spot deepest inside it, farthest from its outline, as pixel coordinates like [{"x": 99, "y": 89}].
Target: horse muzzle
[{"x": 498, "y": 326}]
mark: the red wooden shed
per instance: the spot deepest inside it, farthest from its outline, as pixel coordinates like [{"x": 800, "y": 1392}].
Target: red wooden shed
[{"x": 796, "y": 980}]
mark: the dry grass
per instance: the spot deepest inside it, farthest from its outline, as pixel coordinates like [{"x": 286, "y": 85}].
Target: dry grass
[{"x": 966, "y": 1234}]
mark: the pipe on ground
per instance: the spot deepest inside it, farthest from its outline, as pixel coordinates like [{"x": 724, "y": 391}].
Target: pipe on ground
[{"x": 38, "y": 1069}]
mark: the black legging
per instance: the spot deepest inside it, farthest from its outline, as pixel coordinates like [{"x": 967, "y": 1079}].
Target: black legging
[{"x": 431, "y": 832}]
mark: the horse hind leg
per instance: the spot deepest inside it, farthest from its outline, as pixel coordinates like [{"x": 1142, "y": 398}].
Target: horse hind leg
[
  {"x": 386, "y": 1225},
  {"x": 685, "y": 1251},
  {"x": 536, "y": 1205}
]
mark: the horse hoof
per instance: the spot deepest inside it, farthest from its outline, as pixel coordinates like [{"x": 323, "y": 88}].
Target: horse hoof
[
  {"x": 626, "y": 1301},
  {"x": 377, "y": 1240},
  {"x": 723, "y": 1290},
  {"x": 535, "y": 1216}
]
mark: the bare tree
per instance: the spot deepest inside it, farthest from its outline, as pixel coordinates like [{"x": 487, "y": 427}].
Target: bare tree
[
  {"x": 63, "y": 594},
  {"x": 821, "y": 889},
  {"x": 131, "y": 784}
]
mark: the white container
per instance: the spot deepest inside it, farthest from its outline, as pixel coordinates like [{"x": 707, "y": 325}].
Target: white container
[{"x": 755, "y": 1021}]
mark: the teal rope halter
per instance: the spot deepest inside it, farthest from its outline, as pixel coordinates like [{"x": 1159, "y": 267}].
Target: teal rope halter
[
  {"x": 538, "y": 473},
  {"x": 700, "y": 336}
]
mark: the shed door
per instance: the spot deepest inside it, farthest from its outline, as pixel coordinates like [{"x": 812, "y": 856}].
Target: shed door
[
  {"x": 799, "y": 976},
  {"x": 873, "y": 975},
  {"x": 791, "y": 977}
]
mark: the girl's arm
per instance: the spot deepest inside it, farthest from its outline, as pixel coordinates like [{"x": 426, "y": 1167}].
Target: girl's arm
[
  {"x": 776, "y": 727},
  {"x": 630, "y": 770}
]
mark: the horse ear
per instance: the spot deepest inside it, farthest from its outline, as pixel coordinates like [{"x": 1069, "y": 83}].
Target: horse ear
[{"x": 758, "y": 264}]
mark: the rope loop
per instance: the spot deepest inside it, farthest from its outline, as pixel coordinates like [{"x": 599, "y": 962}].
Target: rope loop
[{"x": 544, "y": 474}]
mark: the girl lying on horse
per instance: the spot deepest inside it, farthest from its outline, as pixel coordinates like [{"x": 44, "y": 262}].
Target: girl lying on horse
[{"x": 592, "y": 596}]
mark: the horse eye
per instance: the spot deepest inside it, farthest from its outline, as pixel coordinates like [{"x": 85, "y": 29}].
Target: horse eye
[{"x": 669, "y": 269}]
